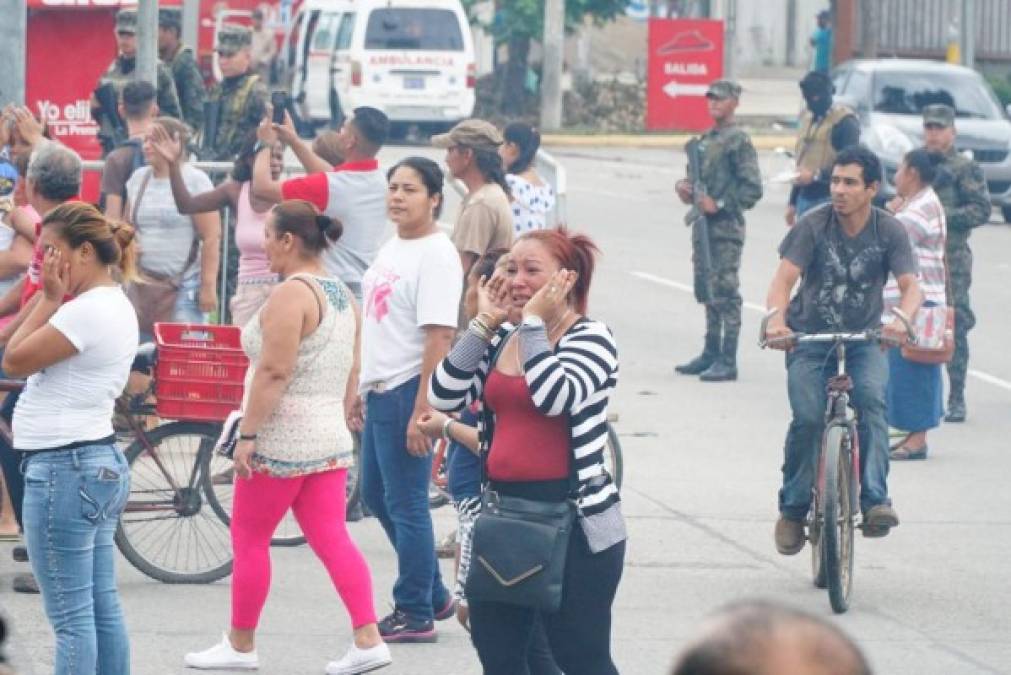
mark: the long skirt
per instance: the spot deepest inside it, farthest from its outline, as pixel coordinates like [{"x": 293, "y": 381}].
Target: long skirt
[{"x": 915, "y": 396}]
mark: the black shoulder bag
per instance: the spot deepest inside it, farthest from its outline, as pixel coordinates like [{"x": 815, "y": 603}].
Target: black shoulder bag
[{"x": 520, "y": 545}]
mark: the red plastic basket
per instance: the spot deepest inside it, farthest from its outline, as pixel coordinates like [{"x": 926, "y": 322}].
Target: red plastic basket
[{"x": 200, "y": 371}]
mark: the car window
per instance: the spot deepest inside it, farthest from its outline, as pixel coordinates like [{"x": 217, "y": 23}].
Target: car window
[
  {"x": 858, "y": 87},
  {"x": 413, "y": 28},
  {"x": 345, "y": 31},
  {"x": 323, "y": 38},
  {"x": 908, "y": 93},
  {"x": 839, "y": 80}
]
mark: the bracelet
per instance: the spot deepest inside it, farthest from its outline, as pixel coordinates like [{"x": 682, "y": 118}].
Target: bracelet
[
  {"x": 247, "y": 437},
  {"x": 445, "y": 429},
  {"x": 481, "y": 330},
  {"x": 488, "y": 320}
]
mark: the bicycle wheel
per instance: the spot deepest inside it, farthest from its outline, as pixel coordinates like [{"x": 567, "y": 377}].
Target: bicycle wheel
[
  {"x": 815, "y": 524},
  {"x": 612, "y": 456},
  {"x": 839, "y": 518},
  {"x": 288, "y": 532},
  {"x": 166, "y": 531}
]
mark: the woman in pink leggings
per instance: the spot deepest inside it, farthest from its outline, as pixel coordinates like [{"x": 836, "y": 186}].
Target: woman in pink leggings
[{"x": 294, "y": 445}]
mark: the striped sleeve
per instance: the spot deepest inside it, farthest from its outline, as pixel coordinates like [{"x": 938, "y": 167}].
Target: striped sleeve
[
  {"x": 459, "y": 379},
  {"x": 562, "y": 382}
]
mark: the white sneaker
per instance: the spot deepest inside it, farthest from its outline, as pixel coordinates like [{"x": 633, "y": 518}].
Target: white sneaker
[
  {"x": 359, "y": 660},
  {"x": 222, "y": 656}
]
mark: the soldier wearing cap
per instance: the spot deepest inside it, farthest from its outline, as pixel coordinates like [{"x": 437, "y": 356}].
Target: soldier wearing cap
[
  {"x": 180, "y": 60},
  {"x": 485, "y": 221},
  {"x": 733, "y": 185},
  {"x": 961, "y": 187},
  {"x": 825, "y": 128},
  {"x": 119, "y": 72},
  {"x": 238, "y": 102}
]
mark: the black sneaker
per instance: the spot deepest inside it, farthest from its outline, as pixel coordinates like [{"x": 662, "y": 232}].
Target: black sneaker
[
  {"x": 20, "y": 553},
  {"x": 399, "y": 627}
]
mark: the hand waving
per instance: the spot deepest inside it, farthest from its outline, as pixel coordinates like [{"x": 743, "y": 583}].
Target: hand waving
[{"x": 169, "y": 147}]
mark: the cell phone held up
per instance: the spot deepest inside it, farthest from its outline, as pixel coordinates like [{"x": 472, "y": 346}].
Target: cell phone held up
[{"x": 279, "y": 103}]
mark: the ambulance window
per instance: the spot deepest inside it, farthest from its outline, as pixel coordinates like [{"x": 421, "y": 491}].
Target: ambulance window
[
  {"x": 323, "y": 39},
  {"x": 345, "y": 31},
  {"x": 413, "y": 28}
]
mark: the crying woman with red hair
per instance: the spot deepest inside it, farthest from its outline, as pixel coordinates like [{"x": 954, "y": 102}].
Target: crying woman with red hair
[{"x": 542, "y": 388}]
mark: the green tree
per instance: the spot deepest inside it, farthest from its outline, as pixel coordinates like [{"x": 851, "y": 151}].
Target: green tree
[{"x": 518, "y": 22}]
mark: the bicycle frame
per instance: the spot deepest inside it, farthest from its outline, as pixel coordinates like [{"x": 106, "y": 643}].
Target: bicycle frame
[{"x": 838, "y": 412}]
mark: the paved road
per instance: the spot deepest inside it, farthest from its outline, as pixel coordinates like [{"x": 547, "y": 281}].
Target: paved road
[{"x": 702, "y": 468}]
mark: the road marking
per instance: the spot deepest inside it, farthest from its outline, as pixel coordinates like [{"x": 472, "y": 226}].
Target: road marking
[{"x": 687, "y": 288}]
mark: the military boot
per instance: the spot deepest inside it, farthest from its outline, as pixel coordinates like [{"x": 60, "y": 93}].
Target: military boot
[
  {"x": 724, "y": 369},
  {"x": 704, "y": 360},
  {"x": 956, "y": 407}
]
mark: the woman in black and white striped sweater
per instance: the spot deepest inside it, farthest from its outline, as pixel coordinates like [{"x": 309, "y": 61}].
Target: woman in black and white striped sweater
[{"x": 547, "y": 395}]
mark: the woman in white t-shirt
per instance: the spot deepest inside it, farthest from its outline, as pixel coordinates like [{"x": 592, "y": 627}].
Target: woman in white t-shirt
[
  {"x": 76, "y": 356},
  {"x": 411, "y": 296},
  {"x": 531, "y": 199},
  {"x": 182, "y": 250}
]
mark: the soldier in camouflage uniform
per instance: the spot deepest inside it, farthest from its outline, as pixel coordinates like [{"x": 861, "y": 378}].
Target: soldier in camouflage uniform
[
  {"x": 120, "y": 72},
  {"x": 180, "y": 60},
  {"x": 961, "y": 187},
  {"x": 238, "y": 102},
  {"x": 733, "y": 185}
]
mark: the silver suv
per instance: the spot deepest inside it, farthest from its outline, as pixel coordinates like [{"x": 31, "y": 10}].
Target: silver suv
[{"x": 889, "y": 94}]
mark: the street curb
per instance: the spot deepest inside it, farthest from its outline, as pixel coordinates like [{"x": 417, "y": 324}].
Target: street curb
[{"x": 675, "y": 141}]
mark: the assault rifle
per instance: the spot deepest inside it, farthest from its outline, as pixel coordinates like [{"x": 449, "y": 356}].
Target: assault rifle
[
  {"x": 113, "y": 132},
  {"x": 700, "y": 226}
]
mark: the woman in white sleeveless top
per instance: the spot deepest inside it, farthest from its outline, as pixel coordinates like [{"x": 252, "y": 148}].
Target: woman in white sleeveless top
[{"x": 294, "y": 446}]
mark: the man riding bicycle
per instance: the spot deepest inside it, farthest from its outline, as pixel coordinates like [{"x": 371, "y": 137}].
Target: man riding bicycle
[{"x": 842, "y": 253}]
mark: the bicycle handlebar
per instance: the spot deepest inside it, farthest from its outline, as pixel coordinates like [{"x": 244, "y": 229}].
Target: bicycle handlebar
[{"x": 869, "y": 335}]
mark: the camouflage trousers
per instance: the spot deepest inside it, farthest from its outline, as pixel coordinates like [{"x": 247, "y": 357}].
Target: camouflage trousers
[
  {"x": 960, "y": 271},
  {"x": 723, "y": 310}
]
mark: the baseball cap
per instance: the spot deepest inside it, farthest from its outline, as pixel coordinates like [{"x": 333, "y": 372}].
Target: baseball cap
[
  {"x": 722, "y": 89},
  {"x": 473, "y": 133},
  {"x": 940, "y": 114},
  {"x": 233, "y": 37}
]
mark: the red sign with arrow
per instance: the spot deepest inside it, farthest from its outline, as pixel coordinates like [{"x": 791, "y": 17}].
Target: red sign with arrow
[{"x": 685, "y": 55}]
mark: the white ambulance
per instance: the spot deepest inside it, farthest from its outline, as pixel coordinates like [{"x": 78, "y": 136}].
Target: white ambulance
[{"x": 412, "y": 59}]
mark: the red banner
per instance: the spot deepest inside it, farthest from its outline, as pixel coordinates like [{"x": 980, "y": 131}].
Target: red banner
[{"x": 685, "y": 55}]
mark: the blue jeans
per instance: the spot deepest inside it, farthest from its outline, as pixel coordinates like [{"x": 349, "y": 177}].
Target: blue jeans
[
  {"x": 395, "y": 489},
  {"x": 805, "y": 204},
  {"x": 73, "y": 499},
  {"x": 809, "y": 367}
]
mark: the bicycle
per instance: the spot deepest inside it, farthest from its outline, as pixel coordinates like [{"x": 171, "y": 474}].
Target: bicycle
[{"x": 832, "y": 519}]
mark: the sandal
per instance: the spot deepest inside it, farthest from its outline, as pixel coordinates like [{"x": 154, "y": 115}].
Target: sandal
[
  {"x": 901, "y": 442},
  {"x": 902, "y": 453}
]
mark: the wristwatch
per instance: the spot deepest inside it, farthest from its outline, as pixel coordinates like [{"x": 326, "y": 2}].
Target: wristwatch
[
  {"x": 721, "y": 204},
  {"x": 533, "y": 321},
  {"x": 260, "y": 145}
]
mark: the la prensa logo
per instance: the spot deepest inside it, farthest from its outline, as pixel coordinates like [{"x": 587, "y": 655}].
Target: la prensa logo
[{"x": 72, "y": 119}]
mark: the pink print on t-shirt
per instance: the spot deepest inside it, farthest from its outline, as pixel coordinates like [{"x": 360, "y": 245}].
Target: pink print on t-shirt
[{"x": 377, "y": 298}]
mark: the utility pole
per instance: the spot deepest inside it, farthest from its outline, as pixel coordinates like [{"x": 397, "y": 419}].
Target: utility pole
[
  {"x": 869, "y": 29},
  {"x": 13, "y": 40},
  {"x": 553, "y": 43},
  {"x": 791, "y": 32},
  {"x": 191, "y": 23},
  {"x": 967, "y": 32},
  {"x": 147, "y": 41},
  {"x": 729, "y": 37}
]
